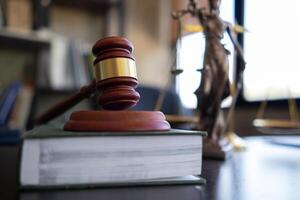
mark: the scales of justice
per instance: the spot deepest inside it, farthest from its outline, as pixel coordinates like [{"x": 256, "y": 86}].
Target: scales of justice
[
  {"x": 215, "y": 85},
  {"x": 116, "y": 80}
]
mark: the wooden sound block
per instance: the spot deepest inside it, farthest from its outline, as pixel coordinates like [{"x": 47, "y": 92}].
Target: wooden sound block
[{"x": 117, "y": 121}]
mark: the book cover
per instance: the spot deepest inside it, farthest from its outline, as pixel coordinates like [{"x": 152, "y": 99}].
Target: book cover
[
  {"x": 54, "y": 130},
  {"x": 186, "y": 180}
]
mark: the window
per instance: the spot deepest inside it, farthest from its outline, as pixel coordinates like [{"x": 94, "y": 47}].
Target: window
[{"x": 271, "y": 49}]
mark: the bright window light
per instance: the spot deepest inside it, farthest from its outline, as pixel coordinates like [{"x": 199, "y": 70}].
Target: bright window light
[{"x": 271, "y": 49}]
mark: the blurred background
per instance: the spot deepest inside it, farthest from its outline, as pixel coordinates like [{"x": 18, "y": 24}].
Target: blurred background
[
  {"x": 46, "y": 47},
  {"x": 45, "y": 54}
]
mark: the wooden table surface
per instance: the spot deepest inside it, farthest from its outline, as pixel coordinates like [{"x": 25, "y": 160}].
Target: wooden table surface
[{"x": 264, "y": 171}]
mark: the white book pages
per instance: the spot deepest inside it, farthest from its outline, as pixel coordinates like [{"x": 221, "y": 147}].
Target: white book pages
[{"x": 112, "y": 159}]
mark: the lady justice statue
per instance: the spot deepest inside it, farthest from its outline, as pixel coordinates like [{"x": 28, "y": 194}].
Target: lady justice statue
[{"x": 215, "y": 85}]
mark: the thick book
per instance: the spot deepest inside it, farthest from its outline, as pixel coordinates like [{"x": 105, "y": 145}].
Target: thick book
[{"x": 52, "y": 157}]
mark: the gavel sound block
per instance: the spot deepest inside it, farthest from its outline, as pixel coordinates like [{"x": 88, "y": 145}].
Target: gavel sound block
[{"x": 115, "y": 80}]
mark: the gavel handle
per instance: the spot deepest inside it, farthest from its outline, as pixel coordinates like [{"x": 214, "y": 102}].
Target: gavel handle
[{"x": 63, "y": 106}]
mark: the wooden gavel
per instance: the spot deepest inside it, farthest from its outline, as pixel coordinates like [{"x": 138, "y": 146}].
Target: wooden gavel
[{"x": 115, "y": 80}]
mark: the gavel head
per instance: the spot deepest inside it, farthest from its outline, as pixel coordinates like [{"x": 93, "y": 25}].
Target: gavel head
[{"x": 115, "y": 73}]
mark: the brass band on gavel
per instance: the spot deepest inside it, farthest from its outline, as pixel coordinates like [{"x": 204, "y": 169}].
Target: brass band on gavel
[{"x": 115, "y": 67}]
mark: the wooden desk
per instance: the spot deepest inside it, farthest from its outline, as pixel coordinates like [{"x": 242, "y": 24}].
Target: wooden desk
[{"x": 264, "y": 171}]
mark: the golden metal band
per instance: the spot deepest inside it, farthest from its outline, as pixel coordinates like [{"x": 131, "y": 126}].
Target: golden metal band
[{"x": 115, "y": 67}]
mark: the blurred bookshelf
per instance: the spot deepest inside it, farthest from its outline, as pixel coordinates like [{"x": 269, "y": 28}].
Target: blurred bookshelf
[
  {"x": 23, "y": 41},
  {"x": 48, "y": 53}
]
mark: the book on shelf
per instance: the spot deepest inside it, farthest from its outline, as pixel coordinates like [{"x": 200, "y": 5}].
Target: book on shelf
[
  {"x": 7, "y": 102},
  {"x": 78, "y": 65},
  {"x": 52, "y": 157},
  {"x": 19, "y": 15},
  {"x": 67, "y": 69},
  {"x": 15, "y": 105},
  {"x": 21, "y": 111},
  {"x": 2, "y": 14},
  {"x": 59, "y": 72}
]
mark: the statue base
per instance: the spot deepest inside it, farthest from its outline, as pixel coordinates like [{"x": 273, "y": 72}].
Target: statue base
[
  {"x": 221, "y": 150},
  {"x": 238, "y": 144},
  {"x": 117, "y": 121}
]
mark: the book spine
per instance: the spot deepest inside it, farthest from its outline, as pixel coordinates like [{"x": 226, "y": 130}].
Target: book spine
[
  {"x": 8, "y": 101},
  {"x": 22, "y": 108}
]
